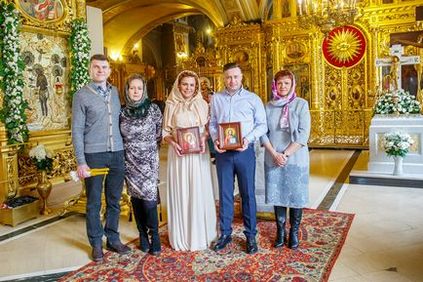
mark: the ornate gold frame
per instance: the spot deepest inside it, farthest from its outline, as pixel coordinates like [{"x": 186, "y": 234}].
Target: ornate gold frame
[{"x": 61, "y": 24}]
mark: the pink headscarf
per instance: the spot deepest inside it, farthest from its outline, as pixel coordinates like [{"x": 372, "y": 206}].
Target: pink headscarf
[{"x": 283, "y": 102}]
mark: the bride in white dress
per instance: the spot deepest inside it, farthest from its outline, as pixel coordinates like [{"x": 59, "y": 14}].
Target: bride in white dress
[{"x": 191, "y": 208}]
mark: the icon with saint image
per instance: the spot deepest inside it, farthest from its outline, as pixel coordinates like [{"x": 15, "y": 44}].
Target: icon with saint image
[
  {"x": 230, "y": 135},
  {"x": 189, "y": 140}
]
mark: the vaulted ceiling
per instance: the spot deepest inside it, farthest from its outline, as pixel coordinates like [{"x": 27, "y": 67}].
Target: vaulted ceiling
[{"x": 124, "y": 20}]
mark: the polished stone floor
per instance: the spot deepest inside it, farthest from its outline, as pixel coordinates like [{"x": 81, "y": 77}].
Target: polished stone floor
[{"x": 385, "y": 242}]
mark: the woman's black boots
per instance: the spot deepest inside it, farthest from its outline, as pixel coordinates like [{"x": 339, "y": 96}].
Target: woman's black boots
[
  {"x": 147, "y": 222},
  {"x": 153, "y": 226},
  {"x": 280, "y": 217},
  {"x": 140, "y": 219},
  {"x": 295, "y": 216}
]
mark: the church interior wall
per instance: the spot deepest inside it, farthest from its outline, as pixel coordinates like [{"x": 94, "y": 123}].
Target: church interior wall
[
  {"x": 44, "y": 49},
  {"x": 341, "y": 99},
  {"x": 244, "y": 44}
]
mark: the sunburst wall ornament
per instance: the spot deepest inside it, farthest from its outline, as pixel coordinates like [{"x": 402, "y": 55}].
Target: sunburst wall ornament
[{"x": 344, "y": 46}]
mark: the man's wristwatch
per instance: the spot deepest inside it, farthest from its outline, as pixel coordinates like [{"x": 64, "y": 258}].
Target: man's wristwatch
[{"x": 286, "y": 155}]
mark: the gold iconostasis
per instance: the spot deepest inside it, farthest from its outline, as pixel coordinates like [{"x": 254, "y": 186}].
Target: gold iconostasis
[{"x": 335, "y": 72}]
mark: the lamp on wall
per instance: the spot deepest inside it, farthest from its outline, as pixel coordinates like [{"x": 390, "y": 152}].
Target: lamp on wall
[
  {"x": 181, "y": 55},
  {"x": 116, "y": 56},
  {"x": 327, "y": 14}
]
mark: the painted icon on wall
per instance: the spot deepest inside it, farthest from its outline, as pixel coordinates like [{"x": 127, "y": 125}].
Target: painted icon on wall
[{"x": 42, "y": 10}]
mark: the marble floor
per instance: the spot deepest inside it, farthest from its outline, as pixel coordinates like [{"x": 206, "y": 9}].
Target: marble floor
[{"x": 385, "y": 242}]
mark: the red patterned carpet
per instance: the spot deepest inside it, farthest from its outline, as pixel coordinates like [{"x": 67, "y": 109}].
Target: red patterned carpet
[{"x": 322, "y": 235}]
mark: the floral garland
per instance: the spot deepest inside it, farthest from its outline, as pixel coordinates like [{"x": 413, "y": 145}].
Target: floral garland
[
  {"x": 397, "y": 143},
  {"x": 397, "y": 101},
  {"x": 13, "y": 113},
  {"x": 80, "y": 46}
]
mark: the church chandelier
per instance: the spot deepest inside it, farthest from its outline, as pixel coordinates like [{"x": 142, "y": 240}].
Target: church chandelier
[{"x": 327, "y": 14}]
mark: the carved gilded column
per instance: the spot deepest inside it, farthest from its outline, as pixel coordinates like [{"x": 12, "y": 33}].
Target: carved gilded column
[
  {"x": 8, "y": 167},
  {"x": 277, "y": 9},
  {"x": 8, "y": 164},
  {"x": 293, "y": 7},
  {"x": 317, "y": 72},
  {"x": 81, "y": 11},
  {"x": 372, "y": 73}
]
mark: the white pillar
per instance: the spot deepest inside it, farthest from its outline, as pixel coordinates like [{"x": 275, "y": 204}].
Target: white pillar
[{"x": 95, "y": 30}]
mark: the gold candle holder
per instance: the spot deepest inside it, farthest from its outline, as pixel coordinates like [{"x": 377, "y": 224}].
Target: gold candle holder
[
  {"x": 92, "y": 172},
  {"x": 99, "y": 171}
]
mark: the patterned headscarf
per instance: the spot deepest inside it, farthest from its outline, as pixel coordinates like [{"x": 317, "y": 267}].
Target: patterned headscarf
[
  {"x": 136, "y": 109},
  {"x": 283, "y": 102},
  {"x": 177, "y": 103}
]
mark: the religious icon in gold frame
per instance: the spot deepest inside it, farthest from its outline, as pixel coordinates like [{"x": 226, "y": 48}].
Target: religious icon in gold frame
[
  {"x": 189, "y": 139},
  {"x": 43, "y": 11},
  {"x": 230, "y": 137}
]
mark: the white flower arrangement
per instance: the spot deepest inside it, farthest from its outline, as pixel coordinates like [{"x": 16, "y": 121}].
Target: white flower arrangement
[
  {"x": 397, "y": 143},
  {"x": 397, "y": 101},
  {"x": 41, "y": 157},
  {"x": 11, "y": 79},
  {"x": 80, "y": 46}
]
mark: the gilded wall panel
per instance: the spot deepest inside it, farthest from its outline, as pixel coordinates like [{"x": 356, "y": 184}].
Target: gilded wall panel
[
  {"x": 243, "y": 43},
  {"x": 356, "y": 85},
  {"x": 80, "y": 8},
  {"x": 63, "y": 162},
  {"x": 341, "y": 99},
  {"x": 302, "y": 77},
  {"x": 287, "y": 52},
  {"x": 346, "y": 96},
  {"x": 333, "y": 88},
  {"x": 12, "y": 184},
  {"x": 27, "y": 171},
  {"x": 9, "y": 176},
  {"x": 60, "y": 143}
]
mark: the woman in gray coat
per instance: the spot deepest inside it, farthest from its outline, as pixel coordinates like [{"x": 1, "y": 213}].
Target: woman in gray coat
[{"x": 286, "y": 158}]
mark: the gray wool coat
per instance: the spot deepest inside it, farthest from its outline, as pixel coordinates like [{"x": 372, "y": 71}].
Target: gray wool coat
[{"x": 288, "y": 186}]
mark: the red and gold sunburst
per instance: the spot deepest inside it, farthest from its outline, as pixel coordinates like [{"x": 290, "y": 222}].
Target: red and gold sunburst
[{"x": 344, "y": 46}]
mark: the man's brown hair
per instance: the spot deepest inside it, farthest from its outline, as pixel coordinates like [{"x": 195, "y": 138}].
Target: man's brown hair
[
  {"x": 229, "y": 66},
  {"x": 99, "y": 57}
]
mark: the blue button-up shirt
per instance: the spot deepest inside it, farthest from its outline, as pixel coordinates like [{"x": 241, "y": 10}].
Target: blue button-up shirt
[{"x": 243, "y": 106}]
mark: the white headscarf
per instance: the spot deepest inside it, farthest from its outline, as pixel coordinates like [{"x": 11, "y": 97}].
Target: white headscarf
[{"x": 176, "y": 103}]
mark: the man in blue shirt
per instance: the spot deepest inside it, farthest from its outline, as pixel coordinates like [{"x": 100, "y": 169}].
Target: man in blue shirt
[{"x": 235, "y": 104}]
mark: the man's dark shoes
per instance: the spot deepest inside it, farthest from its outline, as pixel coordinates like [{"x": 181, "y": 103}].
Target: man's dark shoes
[
  {"x": 118, "y": 247},
  {"x": 222, "y": 242},
  {"x": 97, "y": 254},
  {"x": 251, "y": 246}
]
